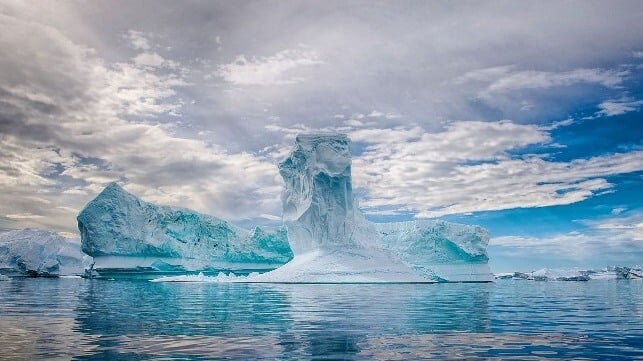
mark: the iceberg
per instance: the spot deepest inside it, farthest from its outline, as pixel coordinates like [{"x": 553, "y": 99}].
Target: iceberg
[
  {"x": 324, "y": 237},
  {"x": 123, "y": 232},
  {"x": 333, "y": 242},
  {"x": 330, "y": 238},
  {"x": 34, "y": 252},
  {"x": 439, "y": 250}
]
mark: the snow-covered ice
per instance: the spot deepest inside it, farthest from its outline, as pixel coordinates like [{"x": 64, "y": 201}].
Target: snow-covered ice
[{"x": 41, "y": 253}]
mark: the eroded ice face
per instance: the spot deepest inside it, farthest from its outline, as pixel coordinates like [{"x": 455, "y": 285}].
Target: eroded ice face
[{"x": 319, "y": 206}]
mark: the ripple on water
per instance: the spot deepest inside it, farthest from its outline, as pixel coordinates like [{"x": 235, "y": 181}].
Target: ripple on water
[{"x": 93, "y": 319}]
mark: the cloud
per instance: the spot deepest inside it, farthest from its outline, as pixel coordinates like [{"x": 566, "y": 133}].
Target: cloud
[
  {"x": 543, "y": 79},
  {"x": 73, "y": 122},
  {"x": 507, "y": 78},
  {"x": 615, "y": 240},
  {"x": 378, "y": 114},
  {"x": 618, "y": 210},
  {"x": 524, "y": 93},
  {"x": 151, "y": 59},
  {"x": 23, "y": 216},
  {"x": 630, "y": 225},
  {"x": 269, "y": 70},
  {"x": 620, "y": 106},
  {"x": 468, "y": 167},
  {"x": 81, "y": 105},
  {"x": 137, "y": 39}
]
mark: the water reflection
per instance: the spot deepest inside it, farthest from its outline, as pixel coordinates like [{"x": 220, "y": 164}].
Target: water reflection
[
  {"x": 99, "y": 319},
  {"x": 296, "y": 320},
  {"x": 178, "y": 309},
  {"x": 337, "y": 320}
]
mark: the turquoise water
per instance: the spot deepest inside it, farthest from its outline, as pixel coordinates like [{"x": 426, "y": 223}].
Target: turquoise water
[{"x": 83, "y": 319}]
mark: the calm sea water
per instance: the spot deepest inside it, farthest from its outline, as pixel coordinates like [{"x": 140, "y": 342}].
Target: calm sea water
[{"x": 82, "y": 319}]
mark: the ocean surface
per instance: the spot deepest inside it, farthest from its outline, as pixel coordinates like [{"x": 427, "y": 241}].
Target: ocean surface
[{"x": 81, "y": 319}]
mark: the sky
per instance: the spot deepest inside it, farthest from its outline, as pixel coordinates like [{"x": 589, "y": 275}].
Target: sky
[{"x": 522, "y": 117}]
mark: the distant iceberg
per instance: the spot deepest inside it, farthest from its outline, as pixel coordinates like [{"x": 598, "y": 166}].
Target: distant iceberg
[
  {"x": 34, "y": 252},
  {"x": 576, "y": 274},
  {"x": 122, "y": 231}
]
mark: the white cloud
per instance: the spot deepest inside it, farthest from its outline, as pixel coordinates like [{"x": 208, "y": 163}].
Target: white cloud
[
  {"x": 23, "y": 216},
  {"x": 378, "y": 114},
  {"x": 630, "y": 225},
  {"x": 531, "y": 79},
  {"x": 269, "y": 70},
  {"x": 467, "y": 168},
  {"x": 505, "y": 79},
  {"x": 620, "y": 106},
  {"x": 137, "y": 39},
  {"x": 77, "y": 123},
  {"x": 484, "y": 75},
  {"x": 605, "y": 241},
  {"x": 618, "y": 210},
  {"x": 149, "y": 59}
]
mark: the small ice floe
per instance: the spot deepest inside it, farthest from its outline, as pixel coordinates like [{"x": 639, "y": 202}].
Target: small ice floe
[{"x": 220, "y": 278}]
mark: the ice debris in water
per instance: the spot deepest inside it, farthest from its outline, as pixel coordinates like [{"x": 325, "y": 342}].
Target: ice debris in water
[
  {"x": 36, "y": 252},
  {"x": 222, "y": 277},
  {"x": 576, "y": 274}
]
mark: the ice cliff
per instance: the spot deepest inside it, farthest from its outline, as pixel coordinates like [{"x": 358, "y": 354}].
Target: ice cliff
[
  {"x": 122, "y": 231},
  {"x": 34, "y": 252}
]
